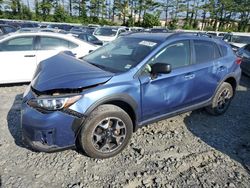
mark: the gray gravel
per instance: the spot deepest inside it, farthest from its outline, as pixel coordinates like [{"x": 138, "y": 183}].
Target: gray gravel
[{"x": 190, "y": 150}]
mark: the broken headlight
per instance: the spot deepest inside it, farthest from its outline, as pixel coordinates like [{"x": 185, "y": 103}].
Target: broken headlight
[{"x": 53, "y": 103}]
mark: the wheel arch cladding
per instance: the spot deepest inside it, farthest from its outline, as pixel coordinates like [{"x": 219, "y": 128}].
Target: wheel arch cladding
[
  {"x": 127, "y": 108},
  {"x": 125, "y": 102},
  {"x": 232, "y": 81}
]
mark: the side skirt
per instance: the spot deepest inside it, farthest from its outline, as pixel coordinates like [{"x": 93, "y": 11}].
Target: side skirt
[{"x": 172, "y": 114}]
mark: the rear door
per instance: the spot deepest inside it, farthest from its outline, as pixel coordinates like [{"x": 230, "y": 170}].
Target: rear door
[
  {"x": 168, "y": 92},
  {"x": 17, "y": 59},
  {"x": 208, "y": 67}
]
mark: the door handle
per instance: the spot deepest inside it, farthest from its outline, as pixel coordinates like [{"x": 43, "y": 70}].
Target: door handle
[
  {"x": 189, "y": 76},
  {"x": 29, "y": 55},
  {"x": 221, "y": 68}
]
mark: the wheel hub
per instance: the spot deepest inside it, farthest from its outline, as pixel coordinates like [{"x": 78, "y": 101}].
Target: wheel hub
[
  {"x": 109, "y": 134},
  {"x": 223, "y": 99}
]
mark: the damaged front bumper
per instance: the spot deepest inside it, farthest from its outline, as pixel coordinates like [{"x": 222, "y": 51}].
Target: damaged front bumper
[{"x": 49, "y": 131}]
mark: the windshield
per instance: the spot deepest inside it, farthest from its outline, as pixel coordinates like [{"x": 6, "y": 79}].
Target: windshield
[
  {"x": 240, "y": 39},
  {"x": 122, "y": 54},
  {"x": 105, "y": 32}
]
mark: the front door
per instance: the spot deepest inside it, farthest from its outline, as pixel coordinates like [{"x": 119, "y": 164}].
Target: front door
[{"x": 168, "y": 92}]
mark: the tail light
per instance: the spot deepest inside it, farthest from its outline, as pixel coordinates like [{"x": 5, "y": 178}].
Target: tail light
[{"x": 238, "y": 61}]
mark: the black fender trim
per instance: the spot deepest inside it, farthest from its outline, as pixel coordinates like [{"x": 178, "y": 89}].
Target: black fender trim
[
  {"x": 223, "y": 80},
  {"x": 117, "y": 97},
  {"x": 109, "y": 99}
]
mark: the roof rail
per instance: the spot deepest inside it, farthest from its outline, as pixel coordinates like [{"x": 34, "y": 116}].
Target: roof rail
[{"x": 199, "y": 34}]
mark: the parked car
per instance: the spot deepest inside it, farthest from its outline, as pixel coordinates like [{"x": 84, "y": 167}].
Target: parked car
[
  {"x": 159, "y": 30},
  {"x": 78, "y": 29},
  {"x": 64, "y": 27},
  {"x": 5, "y": 29},
  {"x": 20, "y": 53},
  {"x": 135, "y": 80},
  {"x": 90, "y": 38},
  {"x": 28, "y": 25},
  {"x": 244, "y": 53},
  {"x": 237, "y": 40},
  {"x": 108, "y": 34},
  {"x": 28, "y": 29},
  {"x": 90, "y": 30},
  {"x": 136, "y": 29},
  {"x": 51, "y": 30},
  {"x": 216, "y": 34},
  {"x": 93, "y": 26}
]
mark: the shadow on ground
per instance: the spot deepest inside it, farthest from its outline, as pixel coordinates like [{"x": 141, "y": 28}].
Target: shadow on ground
[
  {"x": 14, "y": 121},
  {"x": 229, "y": 133}
]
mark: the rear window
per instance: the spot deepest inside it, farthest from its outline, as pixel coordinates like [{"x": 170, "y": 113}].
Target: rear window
[
  {"x": 223, "y": 50},
  {"x": 240, "y": 39},
  {"x": 206, "y": 51}
]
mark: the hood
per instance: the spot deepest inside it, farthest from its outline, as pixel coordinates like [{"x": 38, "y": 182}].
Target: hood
[
  {"x": 66, "y": 72},
  {"x": 105, "y": 38}
]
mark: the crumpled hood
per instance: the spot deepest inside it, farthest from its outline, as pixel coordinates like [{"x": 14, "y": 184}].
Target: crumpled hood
[{"x": 66, "y": 72}]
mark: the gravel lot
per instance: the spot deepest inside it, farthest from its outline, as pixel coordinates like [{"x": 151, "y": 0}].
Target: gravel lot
[{"x": 190, "y": 150}]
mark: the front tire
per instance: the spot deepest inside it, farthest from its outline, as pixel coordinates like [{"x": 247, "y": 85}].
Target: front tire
[
  {"x": 106, "y": 132},
  {"x": 221, "y": 100}
]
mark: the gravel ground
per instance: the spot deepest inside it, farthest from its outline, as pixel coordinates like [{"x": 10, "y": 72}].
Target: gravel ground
[{"x": 190, "y": 150}]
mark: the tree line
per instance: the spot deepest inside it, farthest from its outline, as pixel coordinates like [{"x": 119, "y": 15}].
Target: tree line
[{"x": 230, "y": 15}]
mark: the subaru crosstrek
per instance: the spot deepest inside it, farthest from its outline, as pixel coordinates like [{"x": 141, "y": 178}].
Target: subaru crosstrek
[{"x": 98, "y": 102}]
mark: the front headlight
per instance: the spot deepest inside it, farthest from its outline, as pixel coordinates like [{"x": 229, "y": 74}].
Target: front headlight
[{"x": 53, "y": 103}]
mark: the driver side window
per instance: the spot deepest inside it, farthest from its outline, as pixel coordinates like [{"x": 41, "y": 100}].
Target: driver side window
[{"x": 176, "y": 54}]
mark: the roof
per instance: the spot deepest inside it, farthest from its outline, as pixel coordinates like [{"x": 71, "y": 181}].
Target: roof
[
  {"x": 150, "y": 36},
  {"x": 161, "y": 37}
]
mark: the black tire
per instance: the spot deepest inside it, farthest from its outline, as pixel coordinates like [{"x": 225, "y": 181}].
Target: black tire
[
  {"x": 100, "y": 133},
  {"x": 221, "y": 100}
]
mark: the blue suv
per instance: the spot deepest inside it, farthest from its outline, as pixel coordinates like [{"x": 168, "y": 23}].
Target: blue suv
[{"x": 98, "y": 102}]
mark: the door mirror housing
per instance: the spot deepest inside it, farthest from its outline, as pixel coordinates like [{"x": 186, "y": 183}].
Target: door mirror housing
[{"x": 161, "y": 68}]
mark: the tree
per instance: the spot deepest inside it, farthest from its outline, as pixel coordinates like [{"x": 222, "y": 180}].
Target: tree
[
  {"x": 37, "y": 9},
  {"x": 26, "y": 13},
  {"x": 1, "y": 2},
  {"x": 150, "y": 20},
  {"x": 45, "y": 6},
  {"x": 60, "y": 15},
  {"x": 15, "y": 6}
]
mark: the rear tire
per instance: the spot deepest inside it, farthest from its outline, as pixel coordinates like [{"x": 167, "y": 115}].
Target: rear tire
[
  {"x": 221, "y": 100},
  {"x": 106, "y": 132}
]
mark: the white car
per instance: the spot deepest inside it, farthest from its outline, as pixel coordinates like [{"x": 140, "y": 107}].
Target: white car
[
  {"x": 20, "y": 53},
  {"x": 108, "y": 34},
  {"x": 237, "y": 40}
]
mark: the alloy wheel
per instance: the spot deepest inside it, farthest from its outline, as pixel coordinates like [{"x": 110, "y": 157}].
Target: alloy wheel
[{"x": 109, "y": 134}]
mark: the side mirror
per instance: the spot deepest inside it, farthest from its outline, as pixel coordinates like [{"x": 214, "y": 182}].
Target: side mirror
[
  {"x": 161, "y": 68},
  {"x": 226, "y": 40}
]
